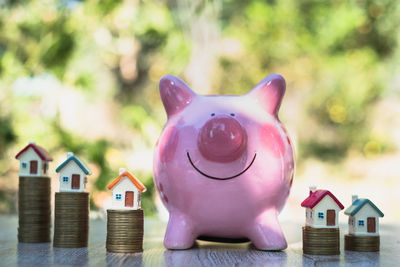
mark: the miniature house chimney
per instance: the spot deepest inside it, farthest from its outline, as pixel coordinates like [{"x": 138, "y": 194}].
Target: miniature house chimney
[
  {"x": 354, "y": 198},
  {"x": 122, "y": 170},
  {"x": 32, "y": 142},
  {"x": 69, "y": 154},
  {"x": 312, "y": 189}
]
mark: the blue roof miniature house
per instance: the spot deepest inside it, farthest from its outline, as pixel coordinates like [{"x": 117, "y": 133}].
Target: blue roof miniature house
[
  {"x": 73, "y": 174},
  {"x": 363, "y": 217}
]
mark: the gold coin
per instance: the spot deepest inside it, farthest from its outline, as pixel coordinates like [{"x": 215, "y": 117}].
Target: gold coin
[
  {"x": 34, "y": 210},
  {"x": 124, "y": 231},
  {"x": 71, "y": 219}
]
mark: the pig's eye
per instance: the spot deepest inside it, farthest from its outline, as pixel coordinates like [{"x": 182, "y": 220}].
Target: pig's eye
[
  {"x": 212, "y": 114},
  {"x": 233, "y": 114}
]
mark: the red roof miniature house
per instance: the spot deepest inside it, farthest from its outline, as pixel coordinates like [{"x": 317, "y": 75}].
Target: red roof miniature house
[
  {"x": 322, "y": 209},
  {"x": 126, "y": 190},
  {"x": 33, "y": 161}
]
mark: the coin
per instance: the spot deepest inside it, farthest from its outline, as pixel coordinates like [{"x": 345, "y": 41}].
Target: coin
[
  {"x": 34, "y": 209},
  {"x": 124, "y": 231},
  {"x": 362, "y": 243},
  {"x": 71, "y": 219},
  {"x": 321, "y": 241}
]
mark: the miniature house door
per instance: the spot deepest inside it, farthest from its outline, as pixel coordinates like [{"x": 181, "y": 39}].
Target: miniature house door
[
  {"x": 33, "y": 165},
  {"x": 76, "y": 180},
  {"x": 330, "y": 217},
  {"x": 371, "y": 225},
  {"x": 129, "y": 199}
]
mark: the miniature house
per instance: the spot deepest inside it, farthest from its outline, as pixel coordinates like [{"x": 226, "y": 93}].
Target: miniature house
[
  {"x": 363, "y": 217},
  {"x": 322, "y": 209},
  {"x": 34, "y": 161},
  {"x": 126, "y": 190},
  {"x": 73, "y": 174}
]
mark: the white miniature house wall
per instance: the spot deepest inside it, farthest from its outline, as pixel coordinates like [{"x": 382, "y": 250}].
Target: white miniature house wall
[
  {"x": 34, "y": 161},
  {"x": 363, "y": 217},
  {"x": 73, "y": 174},
  {"x": 322, "y": 209},
  {"x": 126, "y": 190}
]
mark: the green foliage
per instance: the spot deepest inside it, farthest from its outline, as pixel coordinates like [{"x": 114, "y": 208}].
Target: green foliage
[
  {"x": 8, "y": 201},
  {"x": 59, "y": 51},
  {"x": 148, "y": 196},
  {"x": 107, "y": 6},
  {"x": 339, "y": 48},
  {"x": 7, "y": 134},
  {"x": 96, "y": 153},
  {"x": 66, "y": 140},
  {"x": 152, "y": 39},
  {"x": 107, "y": 57}
]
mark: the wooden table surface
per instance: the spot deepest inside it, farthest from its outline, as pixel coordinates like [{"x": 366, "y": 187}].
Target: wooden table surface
[{"x": 13, "y": 253}]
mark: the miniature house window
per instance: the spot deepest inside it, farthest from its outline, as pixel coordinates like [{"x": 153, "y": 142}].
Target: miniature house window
[
  {"x": 306, "y": 213},
  {"x": 360, "y": 223},
  {"x": 352, "y": 222},
  {"x": 45, "y": 167},
  {"x": 311, "y": 214},
  {"x": 24, "y": 165},
  {"x": 118, "y": 196},
  {"x": 85, "y": 180},
  {"x": 65, "y": 179},
  {"x": 320, "y": 215}
]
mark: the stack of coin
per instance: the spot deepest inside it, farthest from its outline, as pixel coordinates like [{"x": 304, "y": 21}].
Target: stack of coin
[
  {"x": 71, "y": 219},
  {"x": 321, "y": 241},
  {"x": 361, "y": 243},
  {"x": 124, "y": 231},
  {"x": 34, "y": 209}
]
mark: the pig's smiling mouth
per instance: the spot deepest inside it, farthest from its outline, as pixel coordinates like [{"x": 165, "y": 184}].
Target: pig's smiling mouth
[{"x": 221, "y": 178}]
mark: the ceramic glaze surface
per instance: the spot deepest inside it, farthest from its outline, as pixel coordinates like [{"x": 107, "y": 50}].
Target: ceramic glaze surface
[{"x": 223, "y": 165}]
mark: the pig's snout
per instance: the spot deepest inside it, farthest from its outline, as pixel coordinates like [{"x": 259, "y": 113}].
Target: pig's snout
[{"x": 222, "y": 139}]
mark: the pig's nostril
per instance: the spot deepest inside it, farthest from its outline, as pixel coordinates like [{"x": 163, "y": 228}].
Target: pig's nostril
[{"x": 222, "y": 139}]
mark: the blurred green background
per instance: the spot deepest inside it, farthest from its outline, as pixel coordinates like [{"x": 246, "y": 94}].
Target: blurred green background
[{"x": 83, "y": 76}]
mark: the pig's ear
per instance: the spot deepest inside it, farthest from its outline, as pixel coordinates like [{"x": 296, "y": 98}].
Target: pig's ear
[
  {"x": 269, "y": 92},
  {"x": 175, "y": 94}
]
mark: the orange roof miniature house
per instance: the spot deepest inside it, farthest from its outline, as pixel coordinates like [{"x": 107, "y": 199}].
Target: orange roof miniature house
[
  {"x": 322, "y": 209},
  {"x": 126, "y": 190},
  {"x": 33, "y": 160}
]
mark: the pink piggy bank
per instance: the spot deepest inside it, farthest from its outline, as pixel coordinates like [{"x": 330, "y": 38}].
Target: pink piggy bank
[{"x": 223, "y": 165}]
